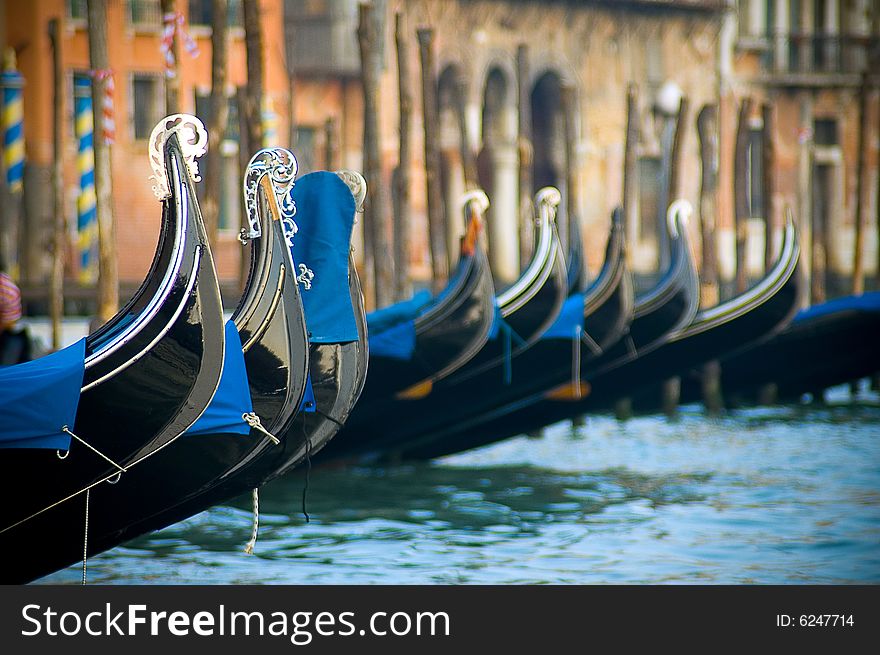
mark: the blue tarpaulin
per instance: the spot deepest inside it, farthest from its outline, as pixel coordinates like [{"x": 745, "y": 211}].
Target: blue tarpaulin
[
  {"x": 233, "y": 396},
  {"x": 867, "y": 302},
  {"x": 571, "y": 317},
  {"x": 397, "y": 342},
  {"x": 38, "y": 398},
  {"x": 325, "y": 214},
  {"x": 400, "y": 312}
]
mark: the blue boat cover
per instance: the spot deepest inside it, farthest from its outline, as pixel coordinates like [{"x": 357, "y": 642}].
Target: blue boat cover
[
  {"x": 397, "y": 342},
  {"x": 867, "y": 302},
  {"x": 38, "y": 398},
  {"x": 233, "y": 395},
  {"x": 571, "y": 317},
  {"x": 325, "y": 214},
  {"x": 400, "y": 312}
]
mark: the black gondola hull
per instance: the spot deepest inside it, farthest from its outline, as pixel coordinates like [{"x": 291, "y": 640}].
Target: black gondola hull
[{"x": 139, "y": 393}]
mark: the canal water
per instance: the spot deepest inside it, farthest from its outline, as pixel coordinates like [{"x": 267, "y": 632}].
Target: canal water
[{"x": 782, "y": 495}]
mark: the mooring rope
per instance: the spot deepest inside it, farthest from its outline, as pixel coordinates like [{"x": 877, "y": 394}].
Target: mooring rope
[
  {"x": 308, "y": 473},
  {"x": 254, "y": 421},
  {"x": 86, "y": 538},
  {"x": 249, "y": 547},
  {"x": 66, "y": 429}
]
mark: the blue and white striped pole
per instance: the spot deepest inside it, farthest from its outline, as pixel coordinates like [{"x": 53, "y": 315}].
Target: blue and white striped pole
[
  {"x": 13, "y": 125},
  {"x": 87, "y": 215}
]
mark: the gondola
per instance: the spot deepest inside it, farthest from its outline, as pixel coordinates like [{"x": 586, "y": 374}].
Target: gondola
[
  {"x": 131, "y": 388},
  {"x": 554, "y": 366},
  {"x": 714, "y": 332},
  {"x": 336, "y": 320},
  {"x": 666, "y": 307},
  {"x": 319, "y": 264},
  {"x": 262, "y": 384},
  {"x": 316, "y": 249},
  {"x": 525, "y": 311},
  {"x": 728, "y": 327},
  {"x": 422, "y": 340},
  {"x": 825, "y": 345}
]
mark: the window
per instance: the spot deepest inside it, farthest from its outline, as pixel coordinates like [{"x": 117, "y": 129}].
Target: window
[
  {"x": 76, "y": 10},
  {"x": 825, "y": 132},
  {"x": 147, "y": 103},
  {"x": 145, "y": 13},
  {"x": 304, "y": 149},
  {"x": 201, "y": 12}
]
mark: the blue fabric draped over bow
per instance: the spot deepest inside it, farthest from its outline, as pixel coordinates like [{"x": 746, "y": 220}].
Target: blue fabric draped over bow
[
  {"x": 38, "y": 398},
  {"x": 325, "y": 212},
  {"x": 233, "y": 396}
]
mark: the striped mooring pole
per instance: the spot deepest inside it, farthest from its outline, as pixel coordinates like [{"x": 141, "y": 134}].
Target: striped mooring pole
[
  {"x": 12, "y": 118},
  {"x": 13, "y": 126},
  {"x": 87, "y": 223}
]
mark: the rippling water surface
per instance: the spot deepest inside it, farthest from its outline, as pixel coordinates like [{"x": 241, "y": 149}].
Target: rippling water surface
[{"x": 771, "y": 495}]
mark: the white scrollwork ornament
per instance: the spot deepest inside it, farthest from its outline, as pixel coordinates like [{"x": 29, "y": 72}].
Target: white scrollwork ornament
[
  {"x": 305, "y": 277},
  {"x": 193, "y": 139},
  {"x": 281, "y": 167}
]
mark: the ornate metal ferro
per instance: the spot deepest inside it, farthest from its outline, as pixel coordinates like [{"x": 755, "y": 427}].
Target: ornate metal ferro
[
  {"x": 548, "y": 200},
  {"x": 281, "y": 167},
  {"x": 357, "y": 184},
  {"x": 193, "y": 143},
  {"x": 358, "y": 187}
]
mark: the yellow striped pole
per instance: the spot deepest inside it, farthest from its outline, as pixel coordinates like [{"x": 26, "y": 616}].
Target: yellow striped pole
[
  {"x": 87, "y": 223},
  {"x": 13, "y": 126}
]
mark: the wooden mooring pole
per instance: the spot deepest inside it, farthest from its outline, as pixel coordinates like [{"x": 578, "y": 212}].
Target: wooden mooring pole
[
  {"x": 524, "y": 154},
  {"x": 108, "y": 275},
  {"x": 568, "y": 100},
  {"x": 402, "y": 182},
  {"x": 330, "y": 144},
  {"x": 740, "y": 193},
  {"x": 430, "y": 121},
  {"x": 172, "y": 76},
  {"x": 707, "y": 132},
  {"x": 56, "y": 287},
  {"x": 672, "y": 387},
  {"x": 375, "y": 219},
  {"x": 217, "y": 119},
  {"x": 768, "y": 163},
  {"x": 858, "y": 275},
  {"x": 630, "y": 161}
]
